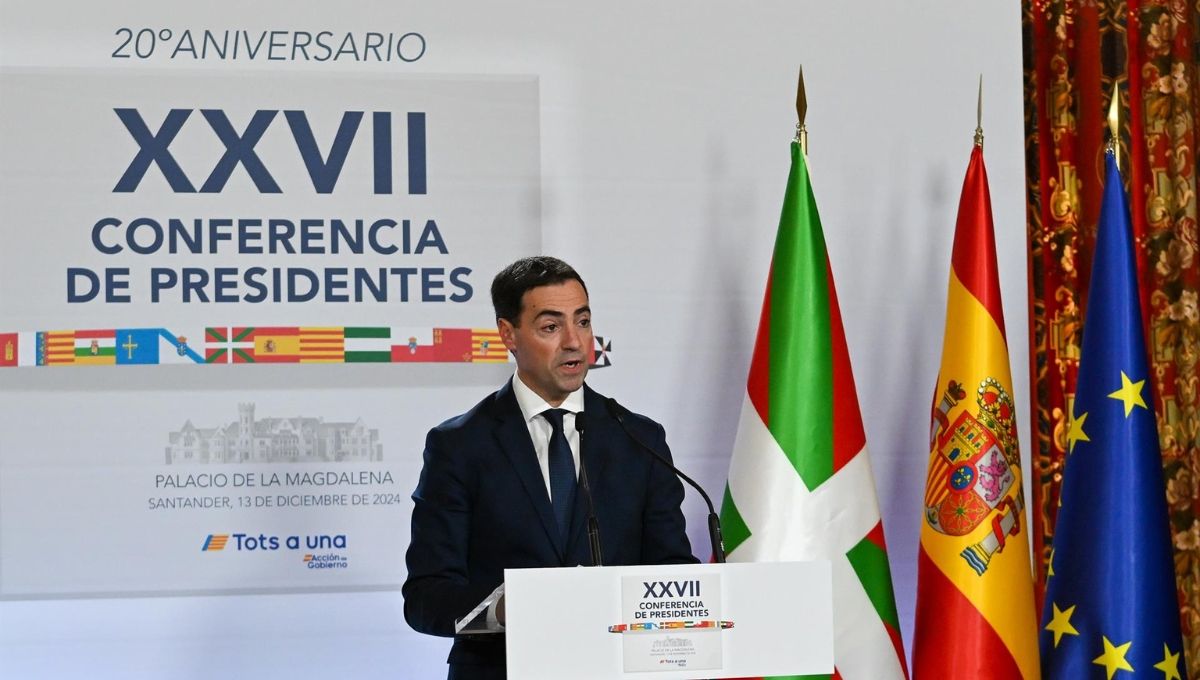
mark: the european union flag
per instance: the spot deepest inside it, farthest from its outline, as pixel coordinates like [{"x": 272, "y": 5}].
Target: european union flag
[{"x": 1111, "y": 608}]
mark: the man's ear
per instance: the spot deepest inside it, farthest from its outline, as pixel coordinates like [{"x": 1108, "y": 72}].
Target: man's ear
[{"x": 508, "y": 334}]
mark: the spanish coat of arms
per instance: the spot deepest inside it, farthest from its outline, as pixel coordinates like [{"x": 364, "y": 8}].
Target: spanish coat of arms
[{"x": 974, "y": 466}]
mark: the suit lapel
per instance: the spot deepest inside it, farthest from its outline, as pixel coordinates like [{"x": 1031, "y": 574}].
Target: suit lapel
[{"x": 513, "y": 437}]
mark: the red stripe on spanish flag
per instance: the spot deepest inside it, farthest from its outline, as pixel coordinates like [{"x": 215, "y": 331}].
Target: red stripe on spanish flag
[
  {"x": 968, "y": 646},
  {"x": 974, "y": 255}
]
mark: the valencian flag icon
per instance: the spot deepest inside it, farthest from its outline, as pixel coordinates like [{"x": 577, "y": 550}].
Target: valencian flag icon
[
  {"x": 1111, "y": 609},
  {"x": 800, "y": 480},
  {"x": 976, "y": 616}
]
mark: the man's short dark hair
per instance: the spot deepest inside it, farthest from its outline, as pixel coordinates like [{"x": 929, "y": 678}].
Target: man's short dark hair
[{"x": 510, "y": 285}]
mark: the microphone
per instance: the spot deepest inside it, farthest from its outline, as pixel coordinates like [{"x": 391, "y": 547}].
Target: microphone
[
  {"x": 714, "y": 522},
  {"x": 593, "y": 528}
]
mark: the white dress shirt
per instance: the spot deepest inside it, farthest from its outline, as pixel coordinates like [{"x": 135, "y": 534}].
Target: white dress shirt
[
  {"x": 540, "y": 431},
  {"x": 532, "y": 406}
]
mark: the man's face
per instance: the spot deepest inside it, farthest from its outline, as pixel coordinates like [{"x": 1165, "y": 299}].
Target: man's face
[{"x": 553, "y": 341}]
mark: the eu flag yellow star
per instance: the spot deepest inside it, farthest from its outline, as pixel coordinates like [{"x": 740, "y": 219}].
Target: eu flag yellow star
[
  {"x": 1130, "y": 394},
  {"x": 1169, "y": 665},
  {"x": 1076, "y": 433},
  {"x": 1113, "y": 658},
  {"x": 1060, "y": 625}
]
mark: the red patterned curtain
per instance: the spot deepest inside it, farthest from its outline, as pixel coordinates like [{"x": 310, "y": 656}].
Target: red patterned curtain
[{"x": 1074, "y": 53}]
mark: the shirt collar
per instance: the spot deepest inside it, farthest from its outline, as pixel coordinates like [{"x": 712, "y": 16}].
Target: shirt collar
[{"x": 532, "y": 404}]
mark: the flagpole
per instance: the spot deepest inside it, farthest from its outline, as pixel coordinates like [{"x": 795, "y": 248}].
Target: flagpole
[
  {"x": 979, "y": 115},
  {"x": 1114, "y": 127},
  {"x": 801, "y": 111}
]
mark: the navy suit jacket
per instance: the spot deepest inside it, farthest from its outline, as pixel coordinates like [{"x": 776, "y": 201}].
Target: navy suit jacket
[{"x": 481, "y": 507}]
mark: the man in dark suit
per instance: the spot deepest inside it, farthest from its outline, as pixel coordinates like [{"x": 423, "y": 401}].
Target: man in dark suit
[{"x": 499, "y": 486}]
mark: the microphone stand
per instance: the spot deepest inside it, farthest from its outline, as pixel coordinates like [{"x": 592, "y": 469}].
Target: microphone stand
[
  {"x": 593, "y": 528},
  {"x": 714, "y": 522}
]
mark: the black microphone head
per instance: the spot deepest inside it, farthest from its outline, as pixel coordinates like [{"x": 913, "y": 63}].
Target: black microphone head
[{"x": 580, "y": 422}]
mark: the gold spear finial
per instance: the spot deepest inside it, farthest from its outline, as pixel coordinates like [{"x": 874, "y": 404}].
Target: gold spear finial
[
  {"x": 979, "y": 115},
  {"x": 801, "y": 110},
  {"x": 1114, "y": 124}
]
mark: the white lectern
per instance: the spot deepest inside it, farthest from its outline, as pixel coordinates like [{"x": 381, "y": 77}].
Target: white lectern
[{"x": 683, "y": 621}]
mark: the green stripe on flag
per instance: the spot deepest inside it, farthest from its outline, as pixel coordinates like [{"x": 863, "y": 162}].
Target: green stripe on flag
[
  {"x": 217, "y": 356},
  {"x": 98, "y": 352},
  {"x": 800, "y": 396},
  {"x": 368, "y": 357},
  {"x": 733, "y": 528},
  {"x": 368, "y": 332},
  {"x": 871, "y": 564}
]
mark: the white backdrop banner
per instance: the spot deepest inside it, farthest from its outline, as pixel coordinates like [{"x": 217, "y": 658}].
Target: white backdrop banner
[
  {"x": 644, "y": 143},
  {"x": 205, "y": 221},
  {"x": 257, "y": 198}
]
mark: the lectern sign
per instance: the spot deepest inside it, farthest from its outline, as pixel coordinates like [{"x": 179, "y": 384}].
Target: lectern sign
[
  {"x": 674, "y": 621},
  {"x": 671, "y": 624}
]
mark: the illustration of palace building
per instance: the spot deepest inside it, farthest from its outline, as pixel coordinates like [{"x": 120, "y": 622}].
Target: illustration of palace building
[{"x": 274, "y": 440}]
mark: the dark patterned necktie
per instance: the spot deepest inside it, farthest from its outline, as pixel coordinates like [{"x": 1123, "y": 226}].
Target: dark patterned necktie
[{"x": 562, "y": 471}]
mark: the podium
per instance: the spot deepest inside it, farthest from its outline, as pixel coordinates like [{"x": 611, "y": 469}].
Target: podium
[{"x": 670, "y": 621}]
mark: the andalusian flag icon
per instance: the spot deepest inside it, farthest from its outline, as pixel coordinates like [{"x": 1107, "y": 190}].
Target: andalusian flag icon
[
  {"x": 975, "y": 608},
  {"x": 800, "y": 480}
]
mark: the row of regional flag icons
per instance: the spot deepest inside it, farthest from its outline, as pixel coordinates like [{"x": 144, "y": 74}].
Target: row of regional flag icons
[{"x": 261, "y": 344}]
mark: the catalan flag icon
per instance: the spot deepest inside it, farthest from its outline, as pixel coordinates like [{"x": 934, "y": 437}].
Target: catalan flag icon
[
  {"x": 322, "y": 345},
  {"x": 215, "y": 542}
]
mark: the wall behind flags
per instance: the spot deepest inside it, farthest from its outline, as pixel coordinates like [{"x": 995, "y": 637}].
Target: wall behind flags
[{"x": 645, "y": 144}]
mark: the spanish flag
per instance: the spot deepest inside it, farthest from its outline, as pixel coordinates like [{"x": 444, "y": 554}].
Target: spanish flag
[
  {"x": 265, "y": 344},
  {"x": 975, "y": 617}
]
